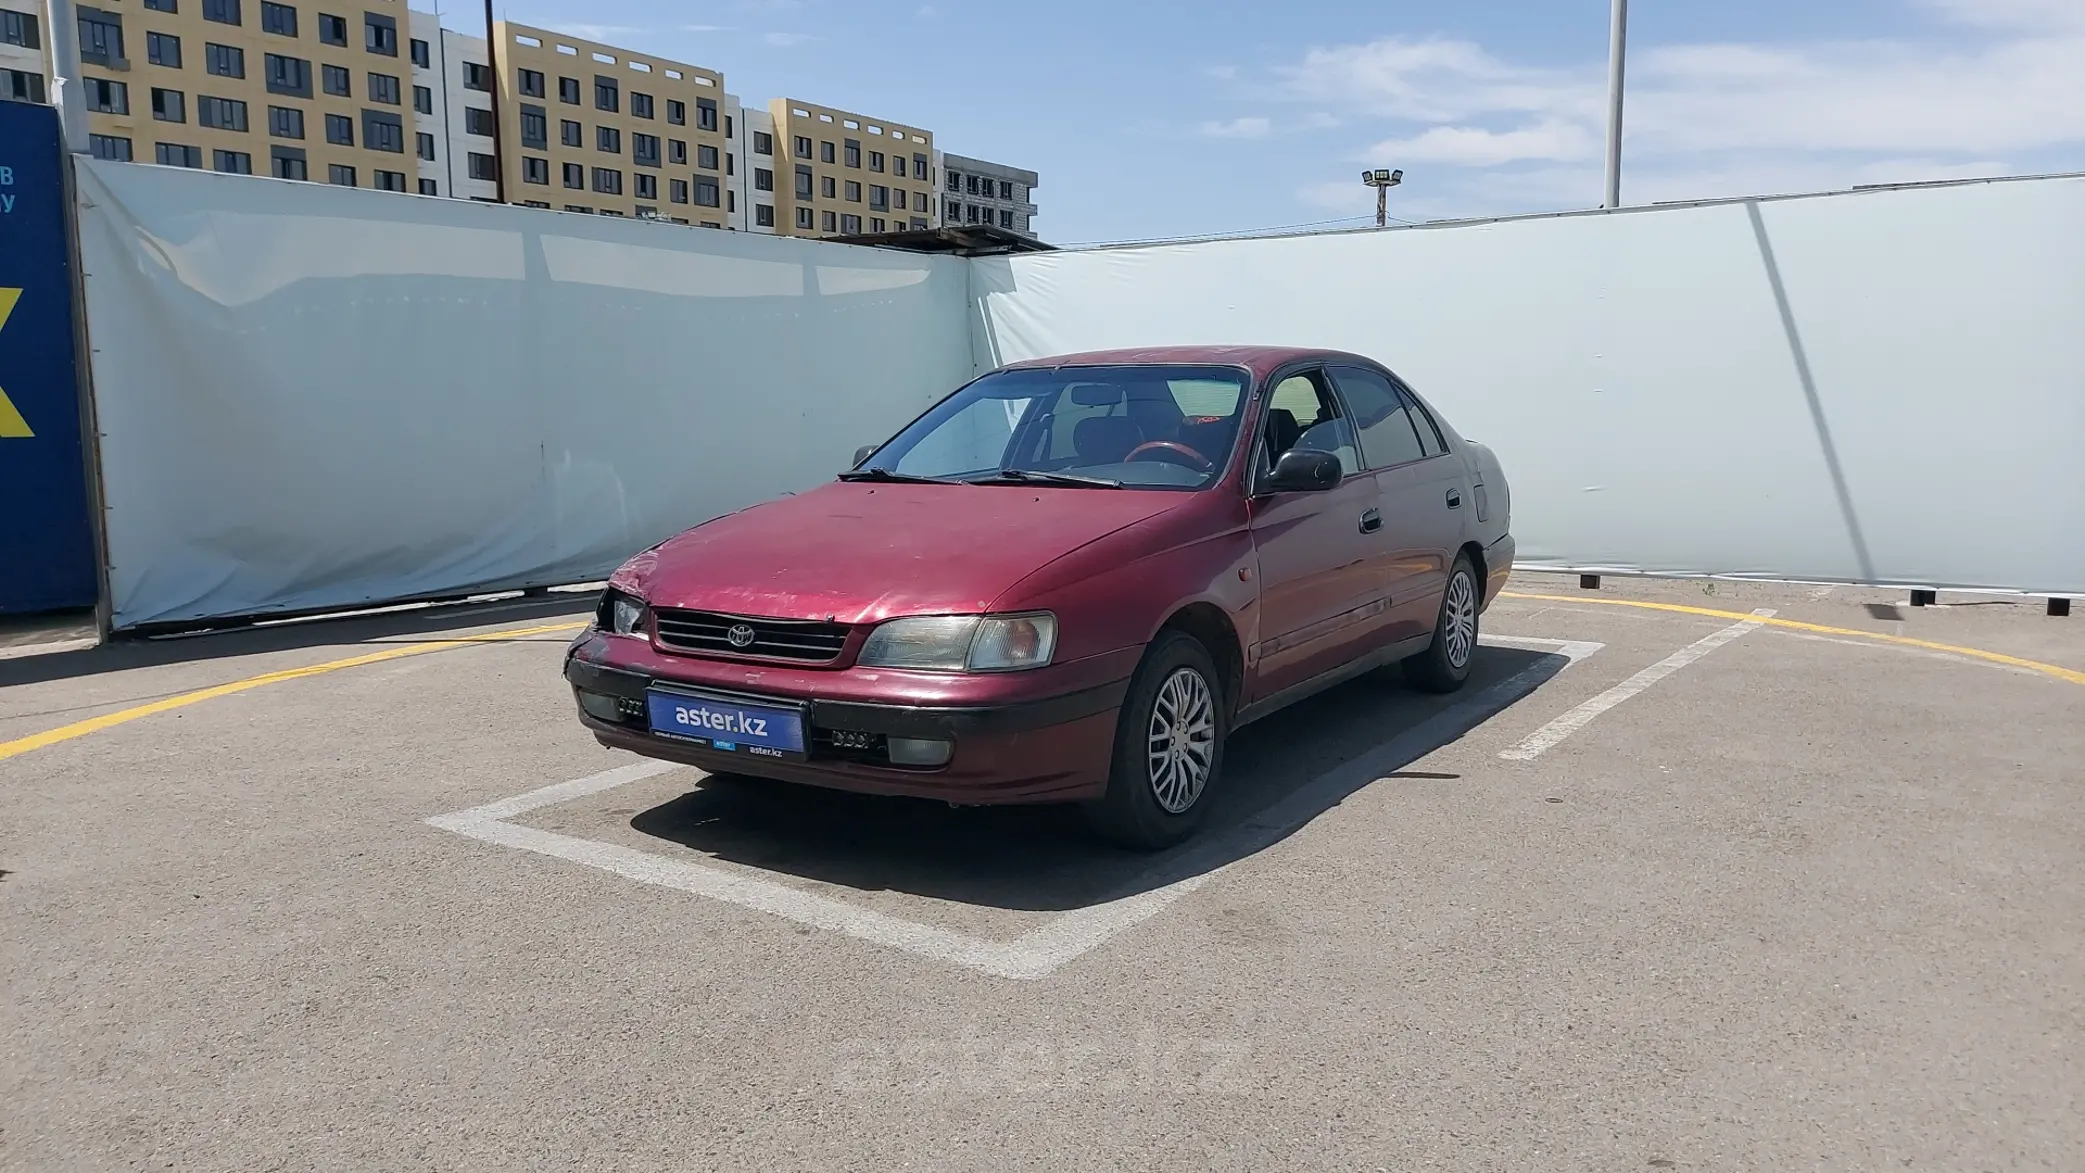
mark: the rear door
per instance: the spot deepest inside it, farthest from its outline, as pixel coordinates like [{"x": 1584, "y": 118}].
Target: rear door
[
  {"x": 1321, "y": 595},
  {"x": 1423, "y": 497}
]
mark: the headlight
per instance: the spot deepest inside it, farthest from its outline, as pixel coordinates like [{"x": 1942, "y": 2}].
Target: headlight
[
  {"x": 620, "y": 613},
  {"x": 963, "y": 643}
]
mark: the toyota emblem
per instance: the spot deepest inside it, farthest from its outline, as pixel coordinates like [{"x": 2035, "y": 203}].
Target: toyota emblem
[{"x": 740, "y": 635}]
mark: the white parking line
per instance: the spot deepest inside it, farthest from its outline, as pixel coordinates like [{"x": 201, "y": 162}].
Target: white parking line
[
  {"x": 1542, "y": 740},
  {"x": 1048, "y": 947}
]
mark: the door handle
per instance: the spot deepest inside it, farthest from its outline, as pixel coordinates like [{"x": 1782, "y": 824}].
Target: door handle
[
  {"x": 1455, "y": 498},
  {"x": 1371, "y": 521}
]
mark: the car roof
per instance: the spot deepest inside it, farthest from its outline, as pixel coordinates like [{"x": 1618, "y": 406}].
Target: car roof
[{"x": 1260, "y": 360}]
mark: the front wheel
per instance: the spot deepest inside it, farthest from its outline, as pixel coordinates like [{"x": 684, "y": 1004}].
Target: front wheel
[
  {"x": 1445, "y": 664},
  {"x": 1168, "y": 748}
]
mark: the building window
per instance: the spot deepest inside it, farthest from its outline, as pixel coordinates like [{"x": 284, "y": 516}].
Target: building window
[
  {"x": 803, "y": 182},
  {"x": 288, "y": 75},
  {"x": 232, "y": 162},
  {"x": 854, "y": 153},
  {"x": 224, "y": 60},
  {"x": 389, "y": 181},
  {"x": 176, "y": 155},
  {"x": 764, "y": 215},
  {"x": 341, "y": 174},
  {"x": 676, "y": 151},
  {"x": 677, "y": 190},
  {"x": 879, "y": 198},
  {"x": 482, "y": 166},
  {"x": 763, "y": 179},
  {"x": 109, "y": 146},
  {"x": 919, "y": 167},
  {"x": 579, "y": 208},
  {"x": 876, "y": 224},
  {"x": 640, "y": 105},
  {"x": 529, "y": 82},
  {"x": 827, "y": 153},
  {"x": 101, "y": 37},
  {"x": 20, "y": 29},
  {"x": 705, "y": 114},
  {"x": 340, "y": 130},
  {"x": 535, "y": 170},
  {"x": 429, "y": 187},
  {"x": 220, "y": 113},
  {"x": 647, "y": 212},
  {"x": 162, "y": 5},
  {"x": 380, "y": 34},
  {"x": 875, "y": 160},
  {"x": 221, "y": 11},
  {"x": 608, "y": 181},
  {"x": 333, "y": 31},
  {"x": 609, "y": 139},
  {"x": 850, "y": 225},
  {"x": 647, "y": 185},
  {"x": 731, "y": 201},
  {"x": 705, "y": 156},
  {"x": 422, "y": 58},
  {"x": 535, "y": 127},
  {"x": 1006, "y": 190},
  {"x": 477, "y": 77},
  {"x": 969, "y": 184},
  {"x": 383, "y": 132},
  {"x": 477, "y": 121},
  {"x": 955, "y": 181},
  {"x": 707, "y": 194},
  {"x": 804, "y": 217},
  {"x": 425, "y": 142},
  {"x": 383, "y": 88},
  {"x": 423, "y": 100},
  {"x": 1006, "y": 219},
  {"x": 19, "y": 85},
  {"x": 606, "y": 95},
  {"x": 954, "y": 211},
  {"x": 573, "y": 134},
  {"x": 676, "y": 112},
  {"x": 568, "y": 90},
  {"x": 644, "y": 150},
  {"x": 288, "y": 163},
  {"x": 336, "y": 80},
  {"x": 575, "y": 176},
  {"x": 160, "y": 49},
  {"x": 829, "y": 187},
  {"x": 285, "y": 122},
  {"x": 803, "y": 147},
  {"x": 918, "y": 222},
  {"x": 763, "y": 143},
  {"x": 279, "y": 19},
  {"x": 829, "y": 222},
  {"x": 169, "y": 106},
  {"x": 730, "y": 127},
  {"x": 854, "y": 192}
]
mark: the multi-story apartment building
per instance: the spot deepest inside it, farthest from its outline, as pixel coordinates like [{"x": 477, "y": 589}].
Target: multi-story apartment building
[
  {"x": 452, "y": 94},
  {"x": 977, "y": 192},
  {"x": 756, "y": 179},
  {"x": 23, "y": 67},
  {"x": 252, "y": 87},
  {"x": 592, "y": 128},
  {"x": 842, "y": 174}
]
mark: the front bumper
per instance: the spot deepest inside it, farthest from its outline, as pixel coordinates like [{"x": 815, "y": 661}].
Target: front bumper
[{"x": 1048, "y": 749}]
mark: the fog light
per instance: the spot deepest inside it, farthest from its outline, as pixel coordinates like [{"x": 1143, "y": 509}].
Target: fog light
[
  {"x": 920, "y": 751},
  {"x": 598, "y": 706}
]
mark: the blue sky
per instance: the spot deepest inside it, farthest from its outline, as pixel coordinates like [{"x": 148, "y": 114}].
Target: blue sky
[{"x": 1157, "y": 118}]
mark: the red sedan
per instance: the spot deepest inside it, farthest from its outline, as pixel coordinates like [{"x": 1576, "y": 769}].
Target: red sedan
[{"x": 1069, "y": 581}]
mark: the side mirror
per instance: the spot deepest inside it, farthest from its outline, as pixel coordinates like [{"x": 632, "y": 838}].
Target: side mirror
[
  {"x": 1304, "y": 470},
  {"x": 863, "y": 453}
]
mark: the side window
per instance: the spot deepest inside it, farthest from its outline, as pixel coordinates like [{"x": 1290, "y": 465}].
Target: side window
[
  {"x": 1388, "y": 436},
  {"x": 1430, "y": 437},
  {"x": 1302, "y": 413}
]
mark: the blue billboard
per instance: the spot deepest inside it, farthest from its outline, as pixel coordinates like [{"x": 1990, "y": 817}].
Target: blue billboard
[{"x": 46, "y": 539}]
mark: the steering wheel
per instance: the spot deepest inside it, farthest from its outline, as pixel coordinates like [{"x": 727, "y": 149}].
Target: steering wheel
[{"x": 1194, "y": 459}]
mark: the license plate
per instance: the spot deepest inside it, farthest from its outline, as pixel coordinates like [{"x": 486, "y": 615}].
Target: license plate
[{"x": 760, "y": 730}]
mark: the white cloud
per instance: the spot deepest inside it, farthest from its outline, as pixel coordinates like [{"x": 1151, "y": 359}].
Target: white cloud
[
  {"x": 604, "y": 33},
  {"x": 787, "y": 40},
  {"x": 1238, "y": 128},
  {"x": 1472, "y": 146}
]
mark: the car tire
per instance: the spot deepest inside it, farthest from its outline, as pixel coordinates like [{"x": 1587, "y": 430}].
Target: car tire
[
  {"x": 1445, "y": 664},
  {"x": 1157, "y": 793}
]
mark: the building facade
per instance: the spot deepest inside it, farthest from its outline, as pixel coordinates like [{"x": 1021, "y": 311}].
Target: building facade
[
  {"x": 843, "y": 174},
  {"x": 974, "y": 191}
]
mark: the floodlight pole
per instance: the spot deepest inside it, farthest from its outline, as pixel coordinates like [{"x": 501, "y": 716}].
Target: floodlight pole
[
  {"x": 1617, "y": 43},
  {"x": 1382, "y": 207},
  {"x": 1382, "y": 179}
]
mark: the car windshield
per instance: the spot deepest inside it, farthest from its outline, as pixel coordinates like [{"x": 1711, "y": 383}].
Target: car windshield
[{"x": 1156, "y": 427}]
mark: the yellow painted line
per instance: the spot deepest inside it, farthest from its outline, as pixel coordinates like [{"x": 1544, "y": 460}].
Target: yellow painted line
[
  {"x": 2072, "y": 675},
  {"x": 36, "y": 741}
]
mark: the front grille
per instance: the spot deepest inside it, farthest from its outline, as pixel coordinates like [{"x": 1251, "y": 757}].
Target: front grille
[{"x": 706, "y": 633}]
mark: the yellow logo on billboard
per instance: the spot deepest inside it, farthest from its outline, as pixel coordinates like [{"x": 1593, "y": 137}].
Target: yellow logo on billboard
[{"x": 12, "y": 425}]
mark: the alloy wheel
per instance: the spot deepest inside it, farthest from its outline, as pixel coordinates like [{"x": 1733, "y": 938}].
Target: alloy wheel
[
  {"x": 1461, "y": 632},
  {"x": 1181, "y": 740}
]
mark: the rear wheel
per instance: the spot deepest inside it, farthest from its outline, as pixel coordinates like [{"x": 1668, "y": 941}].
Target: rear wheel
[
  {"x": 1445, "y": 663},
  {"x": 1168, "y": 748}
]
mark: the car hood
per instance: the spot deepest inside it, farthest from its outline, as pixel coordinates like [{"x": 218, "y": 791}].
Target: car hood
[{"x": 862, "y": 552}]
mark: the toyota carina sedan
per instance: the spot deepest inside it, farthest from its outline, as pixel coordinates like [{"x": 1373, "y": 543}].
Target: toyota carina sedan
[{"x": 1069, "y": 581}]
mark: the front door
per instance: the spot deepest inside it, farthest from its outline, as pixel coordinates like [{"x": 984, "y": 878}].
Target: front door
[{"x": 1321, "y": 596}]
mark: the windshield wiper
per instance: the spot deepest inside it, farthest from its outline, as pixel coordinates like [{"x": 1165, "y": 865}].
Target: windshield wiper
[
  {"x": 1022, "y": 476},
  {"x": 884, "y": 474}
]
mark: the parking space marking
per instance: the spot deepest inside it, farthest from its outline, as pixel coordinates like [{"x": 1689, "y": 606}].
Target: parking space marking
[
  {"x": 2061, "y": 673},
  {"x": 1050, "y": 946},
  {"x": 1542, "y": 740}
]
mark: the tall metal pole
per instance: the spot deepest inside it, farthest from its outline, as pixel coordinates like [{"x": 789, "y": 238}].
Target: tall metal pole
[
  {"x": 1617, "y": 42},
  {"x": 68, "y": 92},
  {"x": 492, "y": 66},
  {"x": 1382, "y": 206}
]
